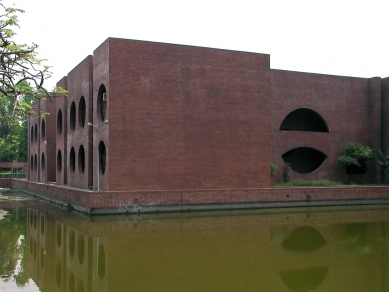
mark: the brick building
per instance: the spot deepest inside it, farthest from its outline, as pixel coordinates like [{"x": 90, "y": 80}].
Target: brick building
[{"x": 144, "y": 116}]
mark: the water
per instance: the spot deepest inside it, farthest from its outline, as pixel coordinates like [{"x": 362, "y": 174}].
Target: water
[{"x": 43, "y": 248}]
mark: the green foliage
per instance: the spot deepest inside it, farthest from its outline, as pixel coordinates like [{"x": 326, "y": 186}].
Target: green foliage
[
  {"x": 13, "y": 142},
  {"x": 22, "y": 72},
  {"x": 354, "y": 154},
  {"x": 13, "y": 247},
  {"x": 287, "y": 175},
  {"x": 274, "y": 169}
]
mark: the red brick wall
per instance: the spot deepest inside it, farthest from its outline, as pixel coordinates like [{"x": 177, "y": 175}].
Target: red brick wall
[
  {"x": 350, "y": 107},
  {"x": 35, "y": 142},
  {"x": 186, "y": 117},
  {"x": 101, "y": 76},
  {"x": 80, "y": 85},
  {"x": 385, "y": 120},
  {"x": 61, "y": 139},
  {"x": 96, "y": 202}
]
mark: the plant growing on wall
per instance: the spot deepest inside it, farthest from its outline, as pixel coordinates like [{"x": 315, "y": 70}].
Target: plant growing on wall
[
  {"x": 382, "y": 160},
  {"x": 354, "y": 157},
  {"x": 274, "y": 169},
  {"x": 287, "y": 175}
]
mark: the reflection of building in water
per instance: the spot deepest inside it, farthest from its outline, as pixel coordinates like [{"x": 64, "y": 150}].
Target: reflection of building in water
[
  {"x": 66, "y": 259},
  {"x": 249, "y": 252}
]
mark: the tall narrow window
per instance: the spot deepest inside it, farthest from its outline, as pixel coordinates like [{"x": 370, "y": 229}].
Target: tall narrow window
[
  {"x": 72, "y": 160},
  {"x": 59, "y": 122},
  {"x": 102, "y": 157},
  {"x": 73, "y": 116},
  {"x": 81, "y": 112},
  {"x": 81, "y": 159},
  {"x": 102, "y": 102},
  {"x": 43, "y": 130}
]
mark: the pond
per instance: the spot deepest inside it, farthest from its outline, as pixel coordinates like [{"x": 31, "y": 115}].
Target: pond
[{"x": 44, "y": 248}]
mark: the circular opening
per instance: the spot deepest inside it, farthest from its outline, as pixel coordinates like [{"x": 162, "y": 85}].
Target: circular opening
[
  {"x": 43, "y": 129},
  {"x": 73, "y": 116},
  {"x": 72, "y": 161},
  {"x": 43, "y": 162},
  {"x": 71, "y": 243},
  {"x": 35, "y": 162},
  {"x": 36, "y": 133},
  {"x": 102, "y": 157},
  {"x": 102, "y": 102},
  {"x": 59, "y": 160},
  {"x": 81, "y": 112},
  {"x": 32, "y": 135},
  {"x": 80, "y": 247},
  {"x": 81, "y": 159},
  {"x": 59, "y": 122}
]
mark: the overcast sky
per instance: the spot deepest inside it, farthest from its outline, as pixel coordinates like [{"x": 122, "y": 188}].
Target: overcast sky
[{"x": 332, "y": 37}]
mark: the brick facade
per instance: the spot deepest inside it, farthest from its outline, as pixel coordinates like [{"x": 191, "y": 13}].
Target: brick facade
[{"x": 169, "y": 118}]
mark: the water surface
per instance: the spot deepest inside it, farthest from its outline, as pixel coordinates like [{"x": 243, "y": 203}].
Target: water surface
[{"x": 43, "y": 248}]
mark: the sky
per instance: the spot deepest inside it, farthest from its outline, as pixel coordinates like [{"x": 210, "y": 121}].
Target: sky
[{"x": 342, "y": 37}]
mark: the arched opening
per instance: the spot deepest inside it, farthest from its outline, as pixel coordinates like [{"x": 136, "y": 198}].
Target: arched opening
[
  {"x": 36, "y": 133},
  {"x": 304, "y": 119},
  {"x": 304, "y": 159},
  {"x": 59, "y": 122},
  {"x": 304, "y": 279},
  {"x": 73, "y": 116},
  {"x": 303, "y": 240},
  {"x": 81, "y": 112},
  {"x": 32, "y": 163},
  {"x": 81, "y": 159},
  {"x": 102, "y": 157},
  {"x": 59, "y": 160},
  {"x": 43, "y": 162},
  {"x": 102, "y": 102},
  {"x": 72, "y": 160},
  {"x": 43, "y": 131}
]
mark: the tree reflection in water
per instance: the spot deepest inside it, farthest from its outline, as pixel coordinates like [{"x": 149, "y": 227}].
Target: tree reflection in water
[{"x": 13, "y": 251}]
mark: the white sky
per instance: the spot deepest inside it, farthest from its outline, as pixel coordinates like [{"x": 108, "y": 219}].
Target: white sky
[{"x": 336, "y": 37}]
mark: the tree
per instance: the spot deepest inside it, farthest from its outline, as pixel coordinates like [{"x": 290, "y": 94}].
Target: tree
[
  {"x": 382, "y": 160},
  {"x": 355, "y": 155},
  {"x": 22, "y": 72},
  {"x": 22, "y": 75}
]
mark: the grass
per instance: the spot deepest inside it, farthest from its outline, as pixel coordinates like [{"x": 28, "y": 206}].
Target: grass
[{"x": 307, "y": 183}]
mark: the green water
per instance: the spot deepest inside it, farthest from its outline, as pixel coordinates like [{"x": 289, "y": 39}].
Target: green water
[{"x": 43, "y": 248}]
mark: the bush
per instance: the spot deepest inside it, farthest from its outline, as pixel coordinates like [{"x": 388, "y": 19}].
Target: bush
[{"x": 287, "y": 174}]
